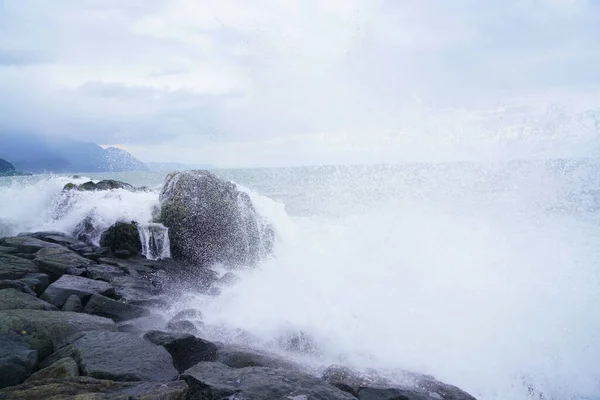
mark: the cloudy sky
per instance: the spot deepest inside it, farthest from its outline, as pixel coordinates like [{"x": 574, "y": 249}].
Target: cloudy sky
[{"x": 297, "y": 82}]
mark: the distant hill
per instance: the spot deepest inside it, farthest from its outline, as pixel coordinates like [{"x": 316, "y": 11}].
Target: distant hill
[
  {"x": 37, "y": 154},
  {"x": 7, "y": 169}
]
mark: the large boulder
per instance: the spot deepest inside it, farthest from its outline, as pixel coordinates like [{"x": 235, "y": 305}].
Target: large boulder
[
  {"x": 59, "y": 261},
  {"x": 217, "y": 381},
  {"x": 58, "y": 292},
  {"x": 95, "y": 389},
  {"x": 12, "y": 267},
  {"x": 62, "y": 369},
  {"x": 46, "y": 330},
  {"x": 186, "y": 349},
  {"x": 122, "y": 236},
  {"x": 118, "y": 356},
  {"x": 18, "y": 360},
  {"x": 26, "y": 244},
  {"x": 113, "y": 309},
  {"x": 107, "y": 184},
  {"x": 235, "y": 356},
  {"x": 211, "y": 221},
  {"x": 13, "y": 299}
]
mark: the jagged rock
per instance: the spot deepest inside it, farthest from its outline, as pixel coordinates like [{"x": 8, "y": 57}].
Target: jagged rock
[
  {"x": 88, "y": 231},
  {"x": 186, "y": 350},
  {"x": 27, "y": 245},
  {"x": 12, "y": 267},
  {"x": 189, "y": 314},
  {"x": 217, "y": 381},
  {"x": 58, "y": 261},
  {"x": 183, "y": 326},
  {"x": 118, "y": 356},
  {"x": 18, "y": 360},
  {"x": 241, "y": 357},
  {"x": 95, "y": 389},
  {"x": 43, "y": 330},
  {"x": 113, "y": 309},
  {"x": 73, "y": 304},
  {"x": 58, "y": 292},
  {"x": 122, "y": 237},
  {"x": 211, "y": 221},
  {"x": 37, "y": 282},
  {"x": 103, "y": 272},
  {"x": 61, "y": 369},
  {"x": 107, "y": 184},
  {"x": 13, "y": 299}
]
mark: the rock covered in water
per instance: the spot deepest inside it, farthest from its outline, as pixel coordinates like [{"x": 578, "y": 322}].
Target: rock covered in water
[
  {"x": 211, "y": 221},
  {"x": 58, "y": 292},
  {"x": 122, "y": 236},
  {"x": 186, "y": 349},
  {"x": 107, "y": 184}
]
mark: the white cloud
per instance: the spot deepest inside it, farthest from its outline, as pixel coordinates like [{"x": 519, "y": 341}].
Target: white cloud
[{"x": 304, "y": 81}]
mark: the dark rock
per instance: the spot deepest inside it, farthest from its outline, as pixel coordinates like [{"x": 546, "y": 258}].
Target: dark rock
[
  {"x": 25, "y": 256},
  {"x": 211, "y": 221},
  {"x": 116, "y": 310},
  {"x": 88, "y": 231},
  {"x": 393, "y": 394},
  {"x": 18, "y": 360},
  {"x": 58, "y": 292},
  {"x": 96, "y": 254},
  {"x": 27, "y": 245},
  {"x": 187, "y": 314},
  {"x": 107, "y": 184},
  {"x": 12, "y": 267},
  {"x": 218, "y": 381},
  {"x": 62, "y": 369},
  {"x": 122, "y": 237},
  {"x": 46, "y": 330},
  {"x": 184, "y": 326},
  {"x": 104, "y": 272},
  {"x": 42, "y": 234},
  {"x": 134, "y": 290},
  {"x": 351, "y": 381},
  {"x": 118, "y": 356},
  {"x": 143, "y": 324},
  {"x": 123, "y": 254},
  {"x": 57, "y": 261},
  {"x": 73, "y": 304},
  {"x": 13, "y": 299},
  {"x": 95, "y": 389},
  {"x": 37, "y": 282},
  {"x": 186, "y": 350},
  {"x": 8, "y": 250},
  {"x": 18, "y": 285},
  {"x": 241, "y": 357}
]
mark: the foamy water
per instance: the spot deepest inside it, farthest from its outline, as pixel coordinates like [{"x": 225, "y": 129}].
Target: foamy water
[{"x": 486, "y": 279}]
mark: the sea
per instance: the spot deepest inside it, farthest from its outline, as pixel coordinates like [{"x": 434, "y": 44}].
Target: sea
[{"x": 483, "y": 275}]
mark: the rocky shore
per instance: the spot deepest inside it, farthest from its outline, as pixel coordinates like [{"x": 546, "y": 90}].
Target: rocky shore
[{"x": 81, "y": 313}]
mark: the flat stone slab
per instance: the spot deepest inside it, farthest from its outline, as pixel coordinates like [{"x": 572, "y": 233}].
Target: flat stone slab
[
  {"x": 95, "y": 389},
  {"x": 12, "y": 267},
  {"x": 58, "y": 292},
  {"x": 118, "y": 356},
  {"x": 46, "y": 330},
  {"x": 58, "y": 261},
  {"x": 186, "y": 349},
  {"x": 113, "y": 309},
  {"x": 13, "y": 299}
]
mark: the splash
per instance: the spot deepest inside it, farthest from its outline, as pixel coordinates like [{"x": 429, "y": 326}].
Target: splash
[{"x": 155, "y": 241}]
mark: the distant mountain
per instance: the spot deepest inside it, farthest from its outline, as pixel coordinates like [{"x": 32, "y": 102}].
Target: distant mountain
[
  {"x": 39, "y": 154},
  {"x": 169, "y": 166},
  {"x": 7, "y": 169}
]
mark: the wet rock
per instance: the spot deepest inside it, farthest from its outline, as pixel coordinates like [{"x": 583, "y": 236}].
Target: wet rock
[
  {"x": 88, "y": 230},
  {"x": 58, "y": 292},
  {"x": 122, "y": 238},
  {"x": 8, "y": 250},
  {"x": 104, "y": 272},
  {"x": 211, "y": 221},
  {"x": 37, "y": 282},
  {"x": 299, "y": 342},
  {"x": 143, "y": 324},
  {"x": 57, "y": 261},
  {"x": 12, "y": 267},
  {"x": 118, "y": 356},
  {"x": 26, "y": 244},
  {"x": 241, "y": 357},
  {"x": 134, "y": 290},
  {"x": 13, "y": 299},
  {"x": 96, "y": 253},
  {"x": 113, "y": 309},
  {"x": 73, "y": 304},
  {"x": 183, "y": 326},
  {"x": 95, "y": 389},
  {"x": 61, "y": 369},
  {"x": 186, "y": 349},
  {"x": 192, "y": 315},
  {"x": 123, "y": 254},
  {"x": 17, "y": 285},
  {"x": 107, "y": 184},
  {"x": 228, "y": 279},
  {"x": 45, "y": 330},
  {"x": 218, "y": 381},
  {"x": 18, "y": 360}
]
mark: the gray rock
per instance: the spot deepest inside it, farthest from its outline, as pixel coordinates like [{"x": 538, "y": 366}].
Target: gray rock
[
  {"x": 118, "y": 356},
  {"x": 26, "y": 244},
  {"x": 104, "y": 272},
  {"x": 143, "y": 324},
  {"x": 218, "y": 381},
  {"x": 46, "y": 330},
  {"x": 37, "y": 282},
  {"x": 12, "y": 267},
  {"x": 58, "y": 292},
  {"x": 106, "y": 184},
  {"x": 184, "y": 326},
  {"x": 73, "y": 304},
  {"x": 13, "y": 299},
  {"x": 85, "y": 388},
  {"x": 241, "y": 357},
  {"x": 8, "y": 250},
  {"x": 187, "y": 314},
  {"x": 211, "y": 221},
  {"x": 57, "y": 261},
  {"x": 62, "y": 369},
  {"x": 18, "y": 360},
  {"x": 17, "y": 285},
  {"x": 62, "y": 240},
  {"x": 116, "y": 310},
  {"x": 134, "y": 290},
  {"x": 186, "y": 350}
]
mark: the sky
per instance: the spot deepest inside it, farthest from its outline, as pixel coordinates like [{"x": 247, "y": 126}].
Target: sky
[{"x": 301, "y": 82}]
